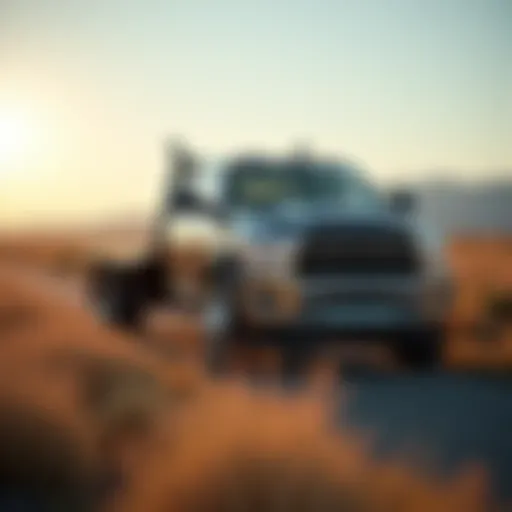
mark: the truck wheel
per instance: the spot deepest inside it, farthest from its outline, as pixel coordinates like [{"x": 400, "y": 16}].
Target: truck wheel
[
  {"x": 295, "y": 362},
  {"x": 218, "y": 322},
  {"x": 117, "y": 296},
  {"x": 421, "y": 351},
  {"x": 221, "y": 316}
]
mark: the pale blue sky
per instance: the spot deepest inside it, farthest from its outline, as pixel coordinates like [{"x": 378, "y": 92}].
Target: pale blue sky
[{"x": 408, "y": 86}]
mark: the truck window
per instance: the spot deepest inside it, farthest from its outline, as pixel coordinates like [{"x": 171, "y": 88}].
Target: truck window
[{"x": 262, "y": 185}]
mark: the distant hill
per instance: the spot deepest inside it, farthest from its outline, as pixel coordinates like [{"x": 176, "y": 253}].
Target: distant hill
[{"x": 456, "y": 207}]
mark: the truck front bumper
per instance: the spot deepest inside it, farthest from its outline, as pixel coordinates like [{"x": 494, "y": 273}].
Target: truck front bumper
[
  {"x": 351, "y": 309},
  {"x": 322, "y": 334},
  {"x": 346, "y": 324}
]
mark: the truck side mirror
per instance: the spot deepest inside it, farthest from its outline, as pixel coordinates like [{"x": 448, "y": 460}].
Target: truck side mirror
[
  {"x": 403, "y": 202},
  {"x": 184, "y": 201}
]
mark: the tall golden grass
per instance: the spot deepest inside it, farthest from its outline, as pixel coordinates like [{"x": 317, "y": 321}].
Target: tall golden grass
[
  {"x": 234, "y": 451},
  {"x": 181, "y": 443},
  {"x": 483, "y": 267}
]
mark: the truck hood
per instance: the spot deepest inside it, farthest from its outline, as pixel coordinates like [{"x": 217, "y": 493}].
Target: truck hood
[
  {"x": 289, "y": 224},
  {"x": 292, "y": 221}
]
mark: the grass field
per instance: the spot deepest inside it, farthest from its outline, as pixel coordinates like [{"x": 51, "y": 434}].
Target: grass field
[
  {"x": 83, "y": 398},
  {"x": 483, "y": 270}
]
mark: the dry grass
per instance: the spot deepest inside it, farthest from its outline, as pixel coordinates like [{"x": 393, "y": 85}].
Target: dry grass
[
  {"x": 56, "y": 254},
  {"x": 268, "y": 453},
  {"x": 85, "y": 398},
  {"x": 482, "y": 267},
  {"x": 69, "y": 388}
]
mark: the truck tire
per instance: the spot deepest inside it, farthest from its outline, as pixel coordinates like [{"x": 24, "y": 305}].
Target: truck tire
[
  {"x": 117, "y": 295},
  {"x": 221, "y": 318},
  {"x": 296, "y": 360},
  {"x": 218, "y": 322},
  {"x": 422, "y": 350}
]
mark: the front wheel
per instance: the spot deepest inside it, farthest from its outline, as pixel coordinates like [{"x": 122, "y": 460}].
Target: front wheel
[
  {"x": 218, "y": 322},
  {"x": 422, "y": 350},
  {"x": 224, "y": 326}
]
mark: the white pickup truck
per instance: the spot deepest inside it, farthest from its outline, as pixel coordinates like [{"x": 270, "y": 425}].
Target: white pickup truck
[{"x": 302, "y": 252}]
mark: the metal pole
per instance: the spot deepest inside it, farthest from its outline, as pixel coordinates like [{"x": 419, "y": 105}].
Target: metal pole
[
  {"x": 162, "y": 208},
  {"x": 178, "y": 169}
]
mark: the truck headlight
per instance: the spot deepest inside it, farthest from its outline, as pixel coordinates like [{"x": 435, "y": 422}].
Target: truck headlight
[{"x": 273, "y": 259}]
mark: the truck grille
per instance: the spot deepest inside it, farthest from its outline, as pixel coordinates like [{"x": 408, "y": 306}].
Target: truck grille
[{"x": 334, "y": 250}]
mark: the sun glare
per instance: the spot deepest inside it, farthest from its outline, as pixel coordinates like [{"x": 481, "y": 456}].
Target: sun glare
[{"x": 15, "y": 137}]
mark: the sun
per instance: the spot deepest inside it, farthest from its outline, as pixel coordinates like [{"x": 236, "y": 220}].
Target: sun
[{"x": 15, "y": 137}]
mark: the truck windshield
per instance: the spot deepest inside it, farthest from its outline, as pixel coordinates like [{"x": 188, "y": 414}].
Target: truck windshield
[{"x": 264, "y": 185}]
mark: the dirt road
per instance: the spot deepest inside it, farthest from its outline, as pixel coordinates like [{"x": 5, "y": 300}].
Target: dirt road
[{"x": 449, "y": 420}]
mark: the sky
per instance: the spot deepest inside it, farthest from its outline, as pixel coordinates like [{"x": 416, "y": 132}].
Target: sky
[{"x": 90, "y": 89}]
